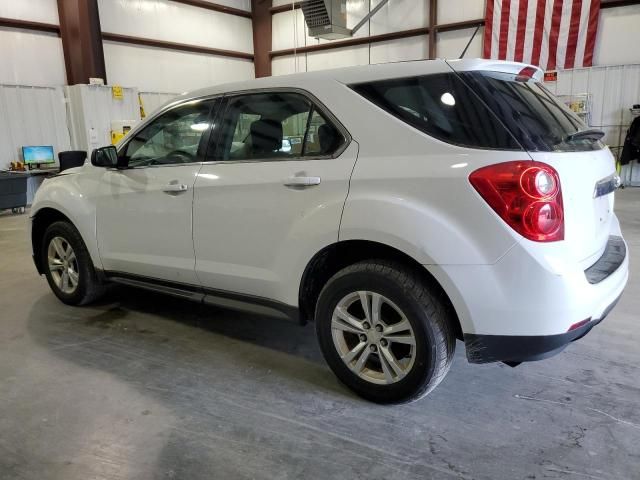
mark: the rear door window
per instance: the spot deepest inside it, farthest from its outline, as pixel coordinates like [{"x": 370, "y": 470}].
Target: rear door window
[
  {"x": 275, "y": 126},
  {"x": 538, "y": 120},
  {"x": 442, "y": 106}
]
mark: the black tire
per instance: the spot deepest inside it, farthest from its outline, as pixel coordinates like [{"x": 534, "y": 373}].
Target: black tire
[
  {"x": 89, "y": 286},
  {"x": 434, "y": 334}
]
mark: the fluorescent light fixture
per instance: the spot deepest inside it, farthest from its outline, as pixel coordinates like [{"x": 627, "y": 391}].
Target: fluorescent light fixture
[
  {"x": 448, "y": 99},
  {"x": 199, "y": 127}
]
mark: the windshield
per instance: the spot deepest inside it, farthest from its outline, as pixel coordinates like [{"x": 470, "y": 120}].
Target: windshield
[{"x": 538, "y": 120}]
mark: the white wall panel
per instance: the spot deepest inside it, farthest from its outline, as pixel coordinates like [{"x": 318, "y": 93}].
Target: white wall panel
[
  {"x": 156, "y": 69},
  {"x": 151, "y": 101},
  {"x": 451, "y": 44},
  {"x": 618, "y": 36},
  {"x": 413, "y": 48},
  {"x": 451, "y": 11},
  {"x": 31, "y": 116},
  {"x": 289, "y": 64},
  {"x": 340, "y": 57},
  {"x": 399, "y": 15},
  {"x": 176, "y": 22},
  {"x": 45, "y": 11},
  {"x": 289, "y": 30},
  {"x": 31, "y": 58}
]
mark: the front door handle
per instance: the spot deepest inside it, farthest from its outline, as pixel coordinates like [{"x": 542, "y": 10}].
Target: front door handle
[
  {"x": 175, "y": 188},
  {"x": 302, "y": 181}
]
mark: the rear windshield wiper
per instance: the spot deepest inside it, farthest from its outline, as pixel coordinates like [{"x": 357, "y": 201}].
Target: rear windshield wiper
[{"x": 588, "y": 134}]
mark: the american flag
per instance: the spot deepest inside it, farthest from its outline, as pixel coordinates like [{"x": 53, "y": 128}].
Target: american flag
[{"x": 548, "y": 33}]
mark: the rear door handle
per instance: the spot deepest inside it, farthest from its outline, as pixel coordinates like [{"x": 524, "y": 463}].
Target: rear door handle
[
  {"x": 175, "y": 188},
  {"x": 302, "y": 181}
]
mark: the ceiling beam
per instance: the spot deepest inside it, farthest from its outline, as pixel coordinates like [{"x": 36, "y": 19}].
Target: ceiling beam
[
  {"x": 352, "y": 42},
  {"x": 182, "y": 47},
  {"x": 285, "y": 8},
  {"x": 28, "y": 25},
  {"x": 262, "y": 37},
  {"x": 433, "y": 21},
  {"x": 450, "y": 27},
  {"x": 81, "y": 40},
  {"x": 215, "y": 7}
]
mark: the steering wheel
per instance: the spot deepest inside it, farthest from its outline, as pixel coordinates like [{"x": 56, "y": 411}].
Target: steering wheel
[{"x": 182, "y": 154}]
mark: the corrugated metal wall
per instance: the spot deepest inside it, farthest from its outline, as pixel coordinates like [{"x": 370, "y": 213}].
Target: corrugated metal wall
[
  {"x": 614, "y": 90},
  {"x": 91, "y": 110},
  {"x": 31, "y": 116},
  {"x": 151, "y": 101}
]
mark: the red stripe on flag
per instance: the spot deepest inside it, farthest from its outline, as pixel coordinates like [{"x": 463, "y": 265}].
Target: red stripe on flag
[
  {"x": 504, "y": 29},
  {"x": 553, "y": 34},
  {"x": 594, "y": 12},
  {"x": 572, "y": 41},
  {"x": 488, "y": 29},
  {"x": 522, "y": 30},
  {"x": 537, "y": 32}
]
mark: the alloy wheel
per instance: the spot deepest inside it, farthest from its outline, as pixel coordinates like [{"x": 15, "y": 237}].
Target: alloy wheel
[
  {"x": 63, "y": 265},
  {"x": 373, "y": 337}
]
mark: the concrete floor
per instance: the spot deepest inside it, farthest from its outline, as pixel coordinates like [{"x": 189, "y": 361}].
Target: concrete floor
[{"x": 146, "y": 387}]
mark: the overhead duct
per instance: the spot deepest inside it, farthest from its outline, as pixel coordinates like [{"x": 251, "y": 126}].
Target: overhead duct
[{"x": 326, "y": 18}]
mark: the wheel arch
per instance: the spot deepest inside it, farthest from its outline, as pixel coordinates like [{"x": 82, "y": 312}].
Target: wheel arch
[
  {"x": 339, "y": 255},
  {"x": 39, "y": 224}
]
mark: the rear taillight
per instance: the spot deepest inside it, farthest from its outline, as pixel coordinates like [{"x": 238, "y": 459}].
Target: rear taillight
[{"x": 526, "y": 195}]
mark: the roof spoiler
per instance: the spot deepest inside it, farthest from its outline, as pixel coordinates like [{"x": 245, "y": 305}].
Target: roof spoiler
[{"x": 516, "y": 68}]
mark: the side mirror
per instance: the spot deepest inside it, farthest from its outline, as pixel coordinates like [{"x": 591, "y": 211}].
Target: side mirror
[{"x": 105, "y": 157}]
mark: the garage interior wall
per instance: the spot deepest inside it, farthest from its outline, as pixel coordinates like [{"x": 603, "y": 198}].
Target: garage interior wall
[
  {"x": 28, "y": 57},
  {"x": 614, "y": 90},
  {"x": 35, "y": 58},
  {"x": 163, "y": 70},
  {"x": 618, "y": 33}
]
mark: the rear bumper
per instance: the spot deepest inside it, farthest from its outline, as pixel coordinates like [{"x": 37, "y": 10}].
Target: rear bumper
[
  {"x": 524, "y": 306},
  {"x": 516, "y": 349}
]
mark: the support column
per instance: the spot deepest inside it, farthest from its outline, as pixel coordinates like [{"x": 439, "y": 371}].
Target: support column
[
  {"x": 261, "y": 20},
  {"x": 433, "y": 21},
  {"x": 81, "y": 40}
]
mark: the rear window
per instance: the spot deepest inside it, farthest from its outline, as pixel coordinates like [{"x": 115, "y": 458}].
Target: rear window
[
  {"x": 442, "y": 106},
  {"x": 537, "y": 119}
]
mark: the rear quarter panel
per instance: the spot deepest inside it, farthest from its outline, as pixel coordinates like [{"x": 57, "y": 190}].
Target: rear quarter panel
[{"x": 411, "y": 191}]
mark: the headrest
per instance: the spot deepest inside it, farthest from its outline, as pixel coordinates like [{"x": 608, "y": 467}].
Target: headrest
[
  {"x": 266, "y": 136},
  {"x": 327, "y": 138}
]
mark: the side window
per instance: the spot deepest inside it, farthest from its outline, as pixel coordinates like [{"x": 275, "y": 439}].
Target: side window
[
  {"x": 442, "y": 106},
  {"x": 276, "y": 126},
  {"x": 172, "y": 138}
]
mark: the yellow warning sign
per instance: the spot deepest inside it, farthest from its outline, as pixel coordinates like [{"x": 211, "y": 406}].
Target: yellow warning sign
[{"x": 117, "y": 92}]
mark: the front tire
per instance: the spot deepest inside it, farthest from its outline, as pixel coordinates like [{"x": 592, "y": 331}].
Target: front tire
[
  {"x": 68, "y": 266},
  {"x": 383, "y": 333}
]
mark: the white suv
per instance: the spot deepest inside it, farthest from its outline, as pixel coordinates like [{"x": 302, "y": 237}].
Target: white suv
[{"x": 399, "y": 206}]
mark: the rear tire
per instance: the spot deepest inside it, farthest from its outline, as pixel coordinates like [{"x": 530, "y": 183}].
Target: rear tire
[
  {"x": 68, "y": 266},
  {"x": 409, "y": 344}
]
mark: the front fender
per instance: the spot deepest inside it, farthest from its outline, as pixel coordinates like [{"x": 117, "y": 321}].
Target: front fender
[{"x": 73, "y": 196}]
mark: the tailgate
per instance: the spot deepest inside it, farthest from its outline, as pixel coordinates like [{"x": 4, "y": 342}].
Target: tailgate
[
  {"x": 551, "y": 133},
  {"x": 587, "y": 181}
]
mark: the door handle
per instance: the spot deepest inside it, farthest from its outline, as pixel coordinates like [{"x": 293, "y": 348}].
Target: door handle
[
  {"x": 302, "y": 181},
  {"x": 175, "y": 188}
]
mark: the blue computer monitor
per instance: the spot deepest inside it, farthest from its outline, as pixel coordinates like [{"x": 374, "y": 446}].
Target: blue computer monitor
[{"x": 38, "y": 154}]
